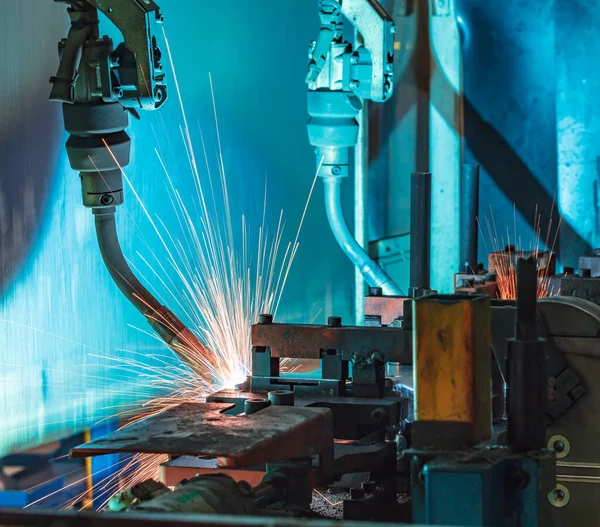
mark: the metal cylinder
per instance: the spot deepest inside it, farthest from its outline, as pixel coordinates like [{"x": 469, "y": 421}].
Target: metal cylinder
[
  {"x": 252, "y": 406},
  {"x": 526, "y": 368},
  {"x": 469, "y": 210},
  {"x": 526, "y": 395},
  {"x": 281, "y": 398},
  {"x": 420, "y": 232}
]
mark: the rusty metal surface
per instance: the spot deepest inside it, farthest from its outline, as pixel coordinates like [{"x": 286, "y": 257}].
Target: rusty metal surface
[
  {"x": 389, "y": 308},
  {"x": 306, "y": 341},
  {"x": 186, "y": 467},
  {"x": 504, "y": 260},
  {"x": 202, "y": 429}
]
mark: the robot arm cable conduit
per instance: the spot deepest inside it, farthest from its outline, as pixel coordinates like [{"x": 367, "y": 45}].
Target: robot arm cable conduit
[{"x": 374, "y": 275}]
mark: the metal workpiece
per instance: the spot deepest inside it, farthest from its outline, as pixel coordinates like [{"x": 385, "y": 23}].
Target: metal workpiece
[
  {"x": 526, "y": 368},
  {"x": 306, "y": 341},
  {"x": 584, "y": 286},
  {"x": 374, "y": 275},
  {"x": 420, "y": 233},
  {"x": 132, "y": 74},
  {"x": 275, "y": 433},
  {"x": 386, "y": 308},
  {"x": 452, "y": 363},
  {"x": 469, "y": 212},
  {"x": 353, "y": 417}
]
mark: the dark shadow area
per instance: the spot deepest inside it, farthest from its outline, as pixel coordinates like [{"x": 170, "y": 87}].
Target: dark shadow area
[
  {"x": 28, "y": 153},
  {"x": 509, "y": 106}
]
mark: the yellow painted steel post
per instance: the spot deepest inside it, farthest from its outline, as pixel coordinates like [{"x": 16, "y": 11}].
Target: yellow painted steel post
[
  {"x": 452, "y": 361},
  {"x": 88, "y": 501}
]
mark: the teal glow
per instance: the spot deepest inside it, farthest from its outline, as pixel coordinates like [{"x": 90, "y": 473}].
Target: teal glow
[{"x": 61, "y": 376}]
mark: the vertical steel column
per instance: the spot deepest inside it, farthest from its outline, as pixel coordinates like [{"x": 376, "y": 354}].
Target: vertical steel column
[
  {"x": 361, "y": 182},
  {"x": 469, "y": 210},
  {"x": 420, "y": 233}
]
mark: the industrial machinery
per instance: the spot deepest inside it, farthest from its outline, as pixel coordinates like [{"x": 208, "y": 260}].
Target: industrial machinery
[
  {"x": 441, "y": 410},
  {"x": 100, "y": 87}
]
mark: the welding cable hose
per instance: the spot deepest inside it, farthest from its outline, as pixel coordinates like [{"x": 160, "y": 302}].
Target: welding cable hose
[
  {"x": 162, "y": 320},
  {"x": 373, "y": 274}
]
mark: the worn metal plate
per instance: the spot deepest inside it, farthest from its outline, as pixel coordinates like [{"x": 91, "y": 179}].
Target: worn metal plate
[
  {"x": 581, "y": 287},
  {"x": 186, "y": 467},
  {"x": 202, "y": 429},
  {"x": 307, "y": 341},
  {"x": 570, "y": 317},
  {"x": 389, "y": 308}
]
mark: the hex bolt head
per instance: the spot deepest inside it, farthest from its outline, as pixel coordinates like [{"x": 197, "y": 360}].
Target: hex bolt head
[
  {"x": 375, "y": 291},
  {"x": 568, "y": 270},
  {"x": 335, "y": 322},
  {"x": 265, "y": 319},
  {"x": 585, "y": 272}
]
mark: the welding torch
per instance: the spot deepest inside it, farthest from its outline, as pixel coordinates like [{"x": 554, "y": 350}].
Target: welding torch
[
  {"x": 340, "y": 76},
  {"x": 100, "y": 87}
]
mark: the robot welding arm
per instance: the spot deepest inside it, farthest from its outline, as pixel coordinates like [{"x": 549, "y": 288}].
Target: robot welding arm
[
  {"x": 131, "y": 74},
  {"x": 99, "y": 87},
  {"x": 339, "y": 78}
]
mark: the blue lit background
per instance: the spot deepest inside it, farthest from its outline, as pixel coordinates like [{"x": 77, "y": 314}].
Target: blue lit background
[{"x": 53, "y": 278}]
